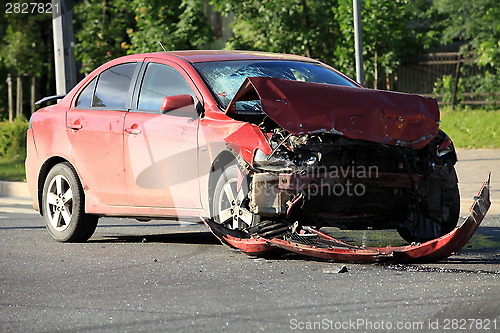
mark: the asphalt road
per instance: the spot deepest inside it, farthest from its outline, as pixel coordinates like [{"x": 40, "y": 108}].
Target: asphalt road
[{"x": 171, "y": 277}]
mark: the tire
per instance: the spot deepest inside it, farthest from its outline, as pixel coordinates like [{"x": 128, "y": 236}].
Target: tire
[
  {"x": 424, "y": 228},
  {"x": 63, "y": 206},
  {"x": 230, "y": 205}
]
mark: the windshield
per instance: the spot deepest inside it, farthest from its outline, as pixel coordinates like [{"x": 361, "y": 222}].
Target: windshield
[{"x": 224, "y": 78}]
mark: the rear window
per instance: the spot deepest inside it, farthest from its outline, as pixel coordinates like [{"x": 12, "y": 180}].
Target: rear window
[{"x": 113, "y": 85}]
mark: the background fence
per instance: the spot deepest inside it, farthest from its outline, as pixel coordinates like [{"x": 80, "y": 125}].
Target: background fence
[{"x": 447, "y": 76}]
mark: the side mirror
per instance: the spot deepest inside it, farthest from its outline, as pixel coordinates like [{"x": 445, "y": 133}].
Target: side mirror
[{"x": 175, "y": 102}]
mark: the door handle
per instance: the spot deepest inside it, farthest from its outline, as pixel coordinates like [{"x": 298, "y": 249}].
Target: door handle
[
  {"x": 133, "y": 131},
  {"x": 75, "y": 127}
]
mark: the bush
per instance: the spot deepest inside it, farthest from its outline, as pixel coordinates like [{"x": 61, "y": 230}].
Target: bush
[
  {"x": 13, "y": 138},
  {"x": 471, "y": 89},
  {"x": 444, "y": 86}
]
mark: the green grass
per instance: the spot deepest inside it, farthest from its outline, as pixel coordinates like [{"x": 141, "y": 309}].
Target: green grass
[
  {"x": 12, "y": 169},
  {"x": 472, "y": 128}
]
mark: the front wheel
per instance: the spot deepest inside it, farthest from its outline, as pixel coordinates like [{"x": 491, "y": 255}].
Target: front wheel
[
  {"x": 230, "y": 200},
  {"x": 63, "y": 206},
  {"x": 423, "y": 225}
]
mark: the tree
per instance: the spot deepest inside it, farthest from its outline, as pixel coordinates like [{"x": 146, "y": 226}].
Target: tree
[
  {"x": 24, "y": 46},
  {"x": 477, "y": 23},
  {"x": 101, "y": 31},
  {"x": 324, "y": 30},
  {"x": 288, "y": 26},
  {"x": 392, "y": 30},
  {"x": 107, "y": 29},
  {"x": 25, "y": 50},
  {"x": 177, "y": 24}
]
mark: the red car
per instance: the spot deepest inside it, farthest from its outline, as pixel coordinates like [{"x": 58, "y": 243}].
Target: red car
[{"x": 258, "y": 145}]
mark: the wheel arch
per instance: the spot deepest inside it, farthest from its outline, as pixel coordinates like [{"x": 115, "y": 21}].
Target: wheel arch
[
  {"x": 44, "y": 171},
  {"x": 224, "y": 159}
]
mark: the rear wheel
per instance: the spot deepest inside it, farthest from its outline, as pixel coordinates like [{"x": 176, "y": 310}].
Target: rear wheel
[
  {"x": 63, "y": 206},
  {"x": 230, "y": 200}
]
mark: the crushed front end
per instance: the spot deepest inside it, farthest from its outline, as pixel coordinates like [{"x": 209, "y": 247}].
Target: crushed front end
[
  {"x": 350, "y": 158},
  {"x": 329, "y": 180}
]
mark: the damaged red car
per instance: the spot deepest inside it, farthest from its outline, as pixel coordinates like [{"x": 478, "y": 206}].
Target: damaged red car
[{"x": 265, "y": 148}]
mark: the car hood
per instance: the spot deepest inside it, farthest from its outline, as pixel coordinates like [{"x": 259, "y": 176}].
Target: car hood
[{"x": 357, "y": 113}]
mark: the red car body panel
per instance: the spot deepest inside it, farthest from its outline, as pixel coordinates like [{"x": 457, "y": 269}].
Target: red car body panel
[
  {"x": 357, "y": 113},
  {"x": 96, "y": 138},
  {"x": 157, "y": 176},
  {"x": 124, "y": 188}
]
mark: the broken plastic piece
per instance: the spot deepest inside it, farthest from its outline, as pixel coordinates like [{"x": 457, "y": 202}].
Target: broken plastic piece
[
  {"x": 314, "y": 243},
  {"x": 241, "y": 241}
]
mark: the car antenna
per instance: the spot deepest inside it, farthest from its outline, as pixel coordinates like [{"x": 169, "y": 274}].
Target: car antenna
[{"x": 163, "y": 47}]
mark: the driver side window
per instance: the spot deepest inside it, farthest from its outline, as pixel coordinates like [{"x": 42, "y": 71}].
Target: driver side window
[{"x": 161, "y": 81}]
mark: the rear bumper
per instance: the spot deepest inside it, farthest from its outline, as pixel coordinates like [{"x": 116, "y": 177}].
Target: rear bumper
[{"x": 32, "y": 166}]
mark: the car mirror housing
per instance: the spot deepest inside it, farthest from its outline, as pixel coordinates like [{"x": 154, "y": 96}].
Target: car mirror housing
[{"x": 175, "y": 102}]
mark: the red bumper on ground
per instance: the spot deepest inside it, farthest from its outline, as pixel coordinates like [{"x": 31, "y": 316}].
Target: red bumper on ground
[{"x": 315, "y": 243}]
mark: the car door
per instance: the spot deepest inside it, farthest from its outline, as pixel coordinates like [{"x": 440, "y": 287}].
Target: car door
[
  {"x": 95, "y": 131},
  {"x": 161, "y": 148}
]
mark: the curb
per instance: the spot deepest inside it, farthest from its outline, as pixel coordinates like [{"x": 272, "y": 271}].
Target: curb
[{"x": 14, "y": 189}]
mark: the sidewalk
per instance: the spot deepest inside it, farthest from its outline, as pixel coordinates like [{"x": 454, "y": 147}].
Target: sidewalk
[
  {"x": 14, "y": 189},
  {"x": 473, "y": 168}
]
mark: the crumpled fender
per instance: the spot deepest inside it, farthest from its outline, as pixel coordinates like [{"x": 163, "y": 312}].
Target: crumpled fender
[
  {"x": 327, "y": 247},
  {"x": 357, "y": 113}
]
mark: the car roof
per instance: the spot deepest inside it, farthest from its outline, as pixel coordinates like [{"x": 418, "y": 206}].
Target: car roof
[{"x": 196, "y": 56}]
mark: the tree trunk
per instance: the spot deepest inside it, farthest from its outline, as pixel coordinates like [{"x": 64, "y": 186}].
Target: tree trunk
[
  {"x": 11, "y": 106},
  {"x": 375, "y": 70},
  {"x": 19, "y": 100}
]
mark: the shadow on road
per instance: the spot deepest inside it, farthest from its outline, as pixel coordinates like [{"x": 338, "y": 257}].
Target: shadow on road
[{"x": 174, "y": 238}]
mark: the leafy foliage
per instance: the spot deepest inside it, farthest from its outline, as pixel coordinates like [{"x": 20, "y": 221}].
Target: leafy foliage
[
  {"x": 112, "y": 28},
  {"x": 444, "y": 87},
  {"x": 24, "y": 47},
  {"x": 392, "y": 30},
  {"x": 477, "y": 23},
  {"x": 13, "y": 138},
  {"x": 324, "y": 30},
  {"x": 178, "y": 25},
  {"x": 101, "y": 31},
  {"x": 286, "y": 26},
  {"x": 25, "y": 50}
]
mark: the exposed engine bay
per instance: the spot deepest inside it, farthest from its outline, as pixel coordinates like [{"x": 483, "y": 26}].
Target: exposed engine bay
[{"x": 355, "y": 184}]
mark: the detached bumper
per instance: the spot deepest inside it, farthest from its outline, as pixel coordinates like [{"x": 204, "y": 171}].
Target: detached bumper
[{"x": 315, "y": 243}]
